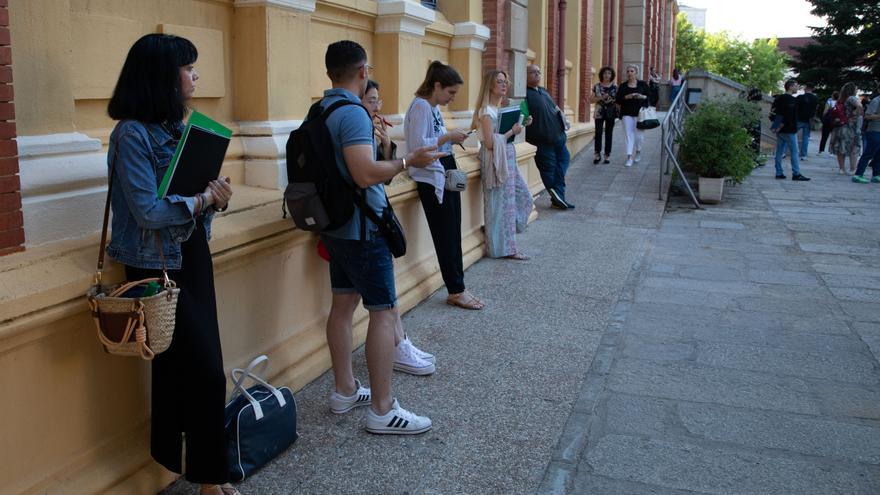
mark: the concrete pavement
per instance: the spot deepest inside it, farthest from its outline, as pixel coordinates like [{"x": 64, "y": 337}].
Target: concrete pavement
[{"x": 727, "y": 350}]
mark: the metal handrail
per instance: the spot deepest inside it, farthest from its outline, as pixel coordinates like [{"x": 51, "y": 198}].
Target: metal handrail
[{"x": 671, "y": 128}]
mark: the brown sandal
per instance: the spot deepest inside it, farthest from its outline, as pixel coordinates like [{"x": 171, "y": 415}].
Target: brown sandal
[{"x": 465, "y": 300}]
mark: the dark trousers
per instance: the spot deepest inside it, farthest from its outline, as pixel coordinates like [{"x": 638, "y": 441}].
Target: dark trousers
[
  {"x": 552, "y": 161},
  {"x": 604, "y": 127},
  {"x": 189, "y": 385},
  {"x": 444, "y": 220},
  {"x": 826, "y": 131}
]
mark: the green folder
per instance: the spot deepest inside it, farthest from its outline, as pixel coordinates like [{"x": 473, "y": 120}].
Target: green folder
[
  {"x": 524, "y": 108},
  {"x": 197, "y": 158}
]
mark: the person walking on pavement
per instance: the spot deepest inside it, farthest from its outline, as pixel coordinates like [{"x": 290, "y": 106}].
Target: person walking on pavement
[
  {"x": 826, "y": 123},
  {"x": 785, "y": 127},
  {"x": 362, "y": 267},
  {"x": 846, "y": 140},
  {"x": 806, "y": 110},
  {"x": 632, "y": 95},
  {"x": 424, "y": 126},
  {"x": 604, "y": 96},
  {"x": 547, "y": 133},
  {"x": 871, "y": 153}
]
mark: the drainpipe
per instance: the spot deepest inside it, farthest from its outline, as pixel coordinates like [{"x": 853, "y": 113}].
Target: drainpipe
[{"x": 560, "y": 59}]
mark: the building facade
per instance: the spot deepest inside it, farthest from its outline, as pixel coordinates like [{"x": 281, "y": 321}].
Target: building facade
[{"x": 76, "y": 419}]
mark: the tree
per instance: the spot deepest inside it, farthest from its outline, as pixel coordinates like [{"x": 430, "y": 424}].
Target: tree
[
  {"x": 846, "y": 50},
  {"x": 759, "y": 63}
]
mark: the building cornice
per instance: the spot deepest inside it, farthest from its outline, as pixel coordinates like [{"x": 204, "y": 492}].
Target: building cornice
[
  {"x": 401, "y": 16},
  {"x": 304, "y": 6},
  {"x": 470, "y": 35}
]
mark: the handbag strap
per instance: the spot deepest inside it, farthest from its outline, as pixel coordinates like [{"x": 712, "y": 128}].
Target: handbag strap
[
  {"x": 158, "y": 239},
  {"x": 240, "y": 375}
]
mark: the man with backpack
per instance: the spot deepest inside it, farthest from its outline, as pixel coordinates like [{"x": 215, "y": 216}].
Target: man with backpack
[
  {"x": 360, "y": 258},
  {"x": 785, "y": 126},
  {"x": 806, "y": 110}
]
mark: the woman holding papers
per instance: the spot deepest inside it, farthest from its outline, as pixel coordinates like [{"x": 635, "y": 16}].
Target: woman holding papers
[
  {"x": 632, "y": 95},
  {"x": 150, "y": 233},
  {"x": 507, "y": 201},
  {"x": 424, "y": 126}
]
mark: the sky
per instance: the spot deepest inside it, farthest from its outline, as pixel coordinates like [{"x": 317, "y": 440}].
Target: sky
[{"x": 758, "y": 18}]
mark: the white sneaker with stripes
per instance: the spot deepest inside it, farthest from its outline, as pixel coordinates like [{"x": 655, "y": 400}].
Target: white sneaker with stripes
[
  {"x": 397, "y": 421},
  {"x": 341, "y": 404}
]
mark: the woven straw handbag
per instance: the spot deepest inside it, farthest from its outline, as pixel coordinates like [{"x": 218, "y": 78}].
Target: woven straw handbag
[{"x": 132, "y": 326}]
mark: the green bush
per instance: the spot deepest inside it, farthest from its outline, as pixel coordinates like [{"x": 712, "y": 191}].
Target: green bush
[{"x": 715, "y": 143}]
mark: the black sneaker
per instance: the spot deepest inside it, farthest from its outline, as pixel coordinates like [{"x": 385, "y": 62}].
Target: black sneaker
[
  {"x": 569, "y": 205},
  {"x": 780, "y": 176},
  {"x": 799, "y": 177},
  {"x": 557, "y": 205}
]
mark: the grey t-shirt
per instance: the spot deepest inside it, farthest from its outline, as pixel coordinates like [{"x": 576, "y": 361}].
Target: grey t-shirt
[
  {"x": 350, "y": 125},
  {"x": 873, "y": 109}
]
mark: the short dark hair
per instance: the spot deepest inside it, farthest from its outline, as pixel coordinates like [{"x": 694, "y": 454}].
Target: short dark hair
[
  {"x": 790, "y": 83},
  {"x": 438, "y": 72},
  {"x": 372, "y": 84},
  {"x": 605, "y": 69},
  {"x": 148, "y": 88},
  {"x": 343, "y": 59}
]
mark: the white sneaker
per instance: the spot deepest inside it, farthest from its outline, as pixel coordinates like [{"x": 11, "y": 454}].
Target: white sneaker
[
  {"x": 407, "y": 361},
  {"x": 427, "y": 356},
  {"x": 397, "y": 421},
  {"x": 340, "y": 404},
  {"x": 629, "y": 161},
  {"x": 638, "y": 156}
]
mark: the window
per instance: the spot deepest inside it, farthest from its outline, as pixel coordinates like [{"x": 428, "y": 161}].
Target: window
[{"x": 431, "y": 4}]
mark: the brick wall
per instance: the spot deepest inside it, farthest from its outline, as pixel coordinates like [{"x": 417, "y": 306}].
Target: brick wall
[
  {"x": 494, "y": 17},
  {"x": 586, "y": 60},
  {"x": 11, "y": 221},
  {"x": 550, "y": 74}
]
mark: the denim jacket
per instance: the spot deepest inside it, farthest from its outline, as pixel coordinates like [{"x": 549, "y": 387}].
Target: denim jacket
[{"x": 143, "y": 152}]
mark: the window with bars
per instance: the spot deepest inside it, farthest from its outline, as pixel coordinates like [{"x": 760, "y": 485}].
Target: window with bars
[{"x": 431, "y": 4}]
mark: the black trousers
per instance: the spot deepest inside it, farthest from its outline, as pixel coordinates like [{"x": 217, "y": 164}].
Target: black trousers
[
  {"x": 826, "y": 131},
  {"x": 444, "y": 220},
  {"x": 606, "y": 127},
  {"x": 189, "y": 385}
]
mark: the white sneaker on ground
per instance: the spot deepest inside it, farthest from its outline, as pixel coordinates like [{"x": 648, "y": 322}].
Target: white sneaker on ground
[
  {"x": 427, "y": 356},
  {"x": 407, "y": 361},
  {"x": 638, "y": 156},
  {"x": 341, "y": 404},
  {"x": 629, "y": 161},
  {"x": 397, "y": 421}
]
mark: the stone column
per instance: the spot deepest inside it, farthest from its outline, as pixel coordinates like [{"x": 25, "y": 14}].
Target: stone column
[
  {"x": 518, "y": 37},
  {"x": 400, "y": 28},
  {"x": 11, "y": 220},
  {"x": 633, "y": 19},
  {"x": 269, "y": 82},
  {"x": 466, "y": 55}
]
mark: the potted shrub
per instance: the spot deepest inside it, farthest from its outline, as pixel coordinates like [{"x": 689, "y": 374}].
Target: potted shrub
[{"x": 716, "y": 146}]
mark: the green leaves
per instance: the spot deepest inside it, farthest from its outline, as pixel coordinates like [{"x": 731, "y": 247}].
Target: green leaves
[
  {"x": 757, "y": 64},
  {"x": 715, "y": 142}
]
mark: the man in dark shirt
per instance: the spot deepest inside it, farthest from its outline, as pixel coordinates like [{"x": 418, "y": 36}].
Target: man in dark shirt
[
  {"x": 806, "y": 110},
  {"x": 785, "y": 127},
  {"x": 547, "y": 132}
]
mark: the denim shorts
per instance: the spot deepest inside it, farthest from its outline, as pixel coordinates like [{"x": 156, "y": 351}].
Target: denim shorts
[{"x": 362, "y": 267}]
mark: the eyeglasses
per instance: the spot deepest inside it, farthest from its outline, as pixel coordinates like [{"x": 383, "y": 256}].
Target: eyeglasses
[
  {"x": 502, "y": 82},
  {"x": 535, "y": 72}
]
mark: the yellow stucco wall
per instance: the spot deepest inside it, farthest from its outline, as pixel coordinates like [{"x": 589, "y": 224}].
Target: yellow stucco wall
[{"x": 76, "y": 418}]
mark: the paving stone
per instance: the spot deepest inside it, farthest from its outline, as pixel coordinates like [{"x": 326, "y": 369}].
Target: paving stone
[
  {"x": 860, "y": 295},
  {"x": 847, "y": 400},
  {"x": 656, "y": 348},
  {"x": 839, "y": 366},
  {"x": 697, "y": 383},
  {"x": 851, "y": 441},
  {"x": 783, "y": 277},
  {"x": 587, "y": 483},
  {"x": 683, "y": 465},
  {"x": 709, "y": 224}
]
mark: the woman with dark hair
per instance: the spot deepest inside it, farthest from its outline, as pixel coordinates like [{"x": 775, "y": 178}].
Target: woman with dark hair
[
  {"x": 826, "y": 122},
  {"x": 151, "y": 233},
  {"x": 604, "y": 96},
  {"x": 846, "y": 140},
  {"x": 424, "y": 126}
]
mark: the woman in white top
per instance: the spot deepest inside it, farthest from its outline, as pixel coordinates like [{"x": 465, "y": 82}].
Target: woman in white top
[
  {"x": 424, "y": 126},
  {"x": 507, "y": 201}
]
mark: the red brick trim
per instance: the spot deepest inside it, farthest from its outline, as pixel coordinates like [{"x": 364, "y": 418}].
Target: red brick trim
[
  {"x": 495, "y": 18},
  {"x": 11, "y": 218},
  {"x": 586, "y": 60}
]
